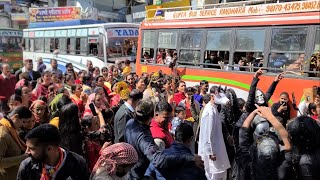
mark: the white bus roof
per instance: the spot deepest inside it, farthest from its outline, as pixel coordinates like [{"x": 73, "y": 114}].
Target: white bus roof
[{"x": 105, "y": 25}]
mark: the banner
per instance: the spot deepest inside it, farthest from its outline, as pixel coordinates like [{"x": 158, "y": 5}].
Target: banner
[
  {"x": 9, "y": 33},
  {"x": 54, "y": 14},
  {"x": 276, "y": 8},
  {"x": 123, "y": 32}
]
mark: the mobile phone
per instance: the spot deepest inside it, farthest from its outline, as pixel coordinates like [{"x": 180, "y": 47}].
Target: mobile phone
[
  {"x": 284, "y": 103},
  {"x": 93, "y": 109}
]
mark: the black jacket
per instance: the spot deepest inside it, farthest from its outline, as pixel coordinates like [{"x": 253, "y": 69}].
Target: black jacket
[
  {"x": 185, "y": 172},
  {"x": 120, "y": 120},
  {"x": 245, "y": 159},
  {"x": 251, "y": 97},
  {"x": 139, "y": 136},
  {"x": 284, "y": 115},
  {"x": 74, "y": 167}
]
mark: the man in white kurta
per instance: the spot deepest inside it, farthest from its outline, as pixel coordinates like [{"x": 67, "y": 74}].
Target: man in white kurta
[{"x": 211, "y": 144}]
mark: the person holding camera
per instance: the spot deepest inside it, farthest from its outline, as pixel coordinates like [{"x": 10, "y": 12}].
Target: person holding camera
[{"x": 281, "y": 109}]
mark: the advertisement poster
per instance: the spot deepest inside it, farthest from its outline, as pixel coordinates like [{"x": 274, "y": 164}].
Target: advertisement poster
[{"x": 54, "y": 14}]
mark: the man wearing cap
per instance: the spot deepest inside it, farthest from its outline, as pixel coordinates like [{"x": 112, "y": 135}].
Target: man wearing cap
[
  {"x": 28, "y": 67},
  {"x": 7, "y": 85},
  {"x": 41, "y": 66}
]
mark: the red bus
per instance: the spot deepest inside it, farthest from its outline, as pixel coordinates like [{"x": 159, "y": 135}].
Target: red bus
[{"x": 226, "y": 45}]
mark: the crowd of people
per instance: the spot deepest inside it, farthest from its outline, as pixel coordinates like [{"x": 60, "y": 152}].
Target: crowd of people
[{"x": 111, "y": 124}]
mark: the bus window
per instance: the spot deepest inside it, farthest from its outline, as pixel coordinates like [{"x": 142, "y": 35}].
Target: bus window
[
  {"x": 62, "y": 45},
  {"x": 215, "y": 57},
  {"x": 165, "y": 56},
  {"x": 190, "y": 39},
  {"x": 56, "y": 44},
  {"x": 147, "y": 55},
  {"x": 167, "y": 43},
  {"x": 31, "y": 41},
  {"x": 26, "y": 42},
  {"x": 190, "y": 44},
  {"x": 249, "y": 48},
  {"x": 317, "y": 41},
  {"x": 39, "y": 46},
  {"x": 167, "y": 40},
  {"x": 52, "y": 44},
  {"x": 148, "y": 43},
  {"x": 192, "y": 57},
  {"x": 93, "y": 46},
  {"x": 71, "y": 46},
  {"x": 78, "y": 46},
  {"x": 47, "y": 45},
  {"x": 93, "y": 49},
  {"x": 217, "y": 48},
  {"x": 81, "y": 46},
  {"x": 288, "y": 48}
]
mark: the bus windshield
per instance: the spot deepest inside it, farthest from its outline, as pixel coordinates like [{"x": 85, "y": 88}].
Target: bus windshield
[
  {"x": 10, "y": 49},
  {"x": 122, "y": 42},
  {"x": 10, "y": 44}
]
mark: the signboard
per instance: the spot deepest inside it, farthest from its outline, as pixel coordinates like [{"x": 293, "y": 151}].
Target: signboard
[
  {"x": 19, "y": 16},
  {"x": 8, "y": 33},
  {"x": 54, "y": 14},
  {"x": 155, "y": 10},
  {"x": 138, "y": 13},
  {"x": 123, "y": 32},
  {"x": 276, "y": 8}
]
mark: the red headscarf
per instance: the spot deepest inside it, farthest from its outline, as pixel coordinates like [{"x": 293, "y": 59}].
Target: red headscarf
[
  {"x": 42, "y": 103},
  {"x": 116, "y": 154}
]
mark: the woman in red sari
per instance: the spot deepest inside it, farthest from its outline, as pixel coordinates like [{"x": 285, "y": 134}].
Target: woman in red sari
[{"x": 42, "y": 89}]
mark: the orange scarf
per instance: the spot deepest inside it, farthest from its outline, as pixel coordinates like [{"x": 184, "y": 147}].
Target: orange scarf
[
  {"x": 47, "y": 174},
  {"x": 6, "y": 123}
]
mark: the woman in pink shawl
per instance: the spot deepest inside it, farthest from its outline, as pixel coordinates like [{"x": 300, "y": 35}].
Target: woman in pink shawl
[
  {"x": 42, "y": 88},
  {"x": 98, "y": 100}
]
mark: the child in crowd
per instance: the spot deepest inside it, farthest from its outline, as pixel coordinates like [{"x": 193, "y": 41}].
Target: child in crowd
[
  {"x": 180, "y": 116},
  {"x": 127, "y": 69}
]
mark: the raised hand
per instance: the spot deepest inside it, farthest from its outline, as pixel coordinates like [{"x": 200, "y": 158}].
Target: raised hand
[
  {"x": 258, "y": 73},
  {"x": 279, "y": 77}
]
